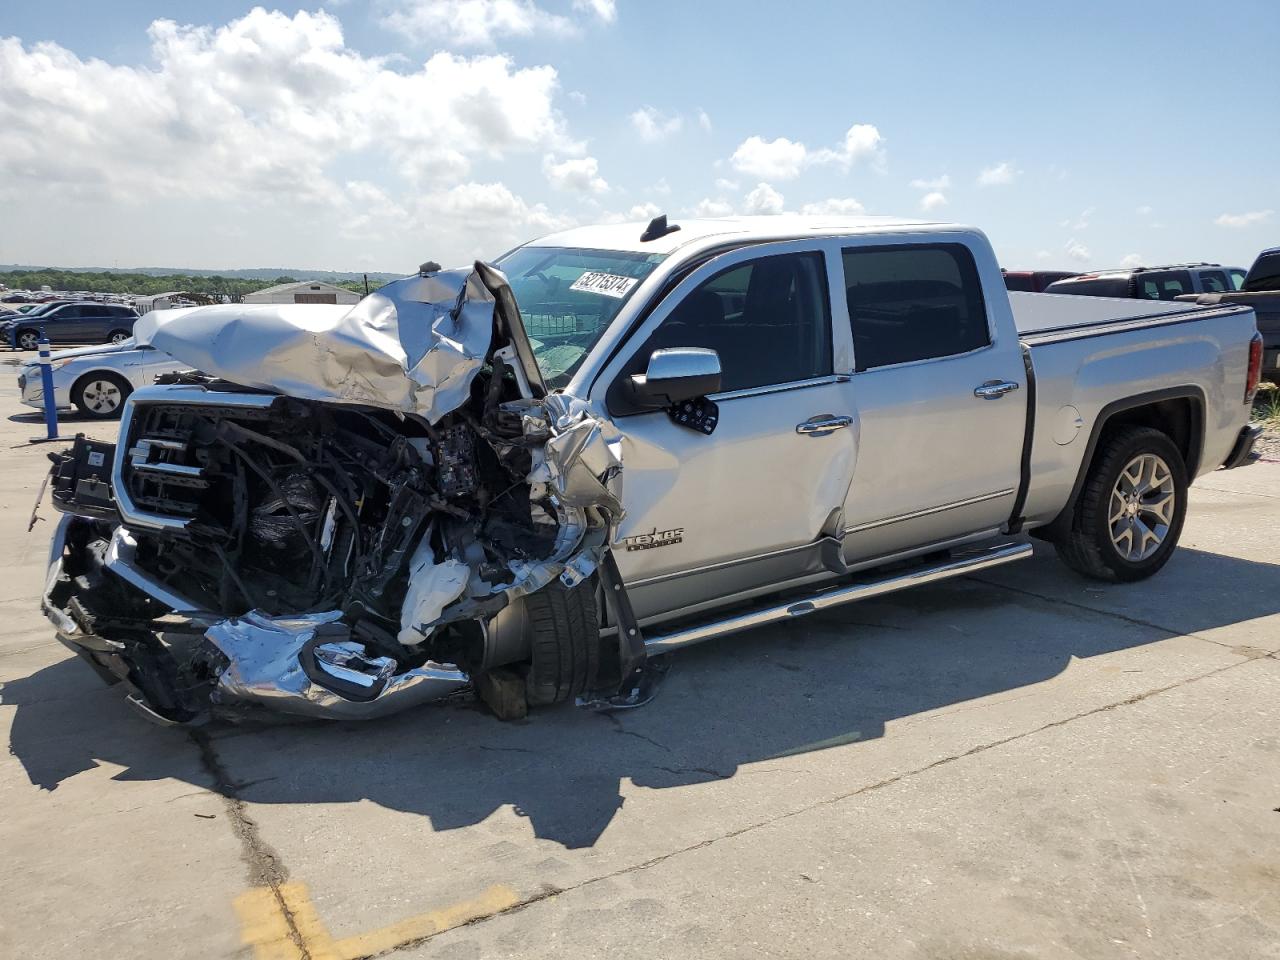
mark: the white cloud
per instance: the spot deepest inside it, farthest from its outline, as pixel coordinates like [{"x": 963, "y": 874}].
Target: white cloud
[
  {"x": 578, "y": 97},
  {"x": 937, "y": 183},
  {"x": 1043, "y": 255},
  {"x": 1131, "y": 260},
  {"x": 471, "y": 23},
  {"x": 653, "y": 125},
  {"x": 728, "y": 186},
  {"x": 837, "y": 206},
  {"x": 1077, "y": 251},
  {"x": 262, "y": 106},
  {"x": 704, "y": 120},
  {"x": 579, "y": 173},
  {"x": 662, "y": 188},
  {"x": 933, "y": 201},
  {"x": 708, "y": 207},
  {"x": 1081, "y": 222},
  {"x": 606, "y": 10},
  {"x": 783, "y": 159},
  {"x": 1250, "y": 219},
  {"x": 763, "y": 199},
  {"x": 998, "y": 175}
]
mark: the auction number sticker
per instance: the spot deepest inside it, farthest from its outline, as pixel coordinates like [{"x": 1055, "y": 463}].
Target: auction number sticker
[{"x": 605, "y": 284}]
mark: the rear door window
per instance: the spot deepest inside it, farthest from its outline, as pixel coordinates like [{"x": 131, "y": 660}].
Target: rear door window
[
  {"x": 1213, "y": 281},
  {"x": 913, "y": 302},
  {"x": 1164, "y": 286}
]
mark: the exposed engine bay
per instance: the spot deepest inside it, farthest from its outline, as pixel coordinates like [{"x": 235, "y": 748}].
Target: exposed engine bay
[{"x": 331, "y": 516}]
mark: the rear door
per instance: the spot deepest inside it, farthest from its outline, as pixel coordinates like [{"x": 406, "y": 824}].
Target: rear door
[
  {"x": 742, "y": 510},
  {"x": 940, "y": 390}
]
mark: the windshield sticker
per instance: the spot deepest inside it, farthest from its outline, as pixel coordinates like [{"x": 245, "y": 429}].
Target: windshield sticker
[{"x": 605, "y": 284}]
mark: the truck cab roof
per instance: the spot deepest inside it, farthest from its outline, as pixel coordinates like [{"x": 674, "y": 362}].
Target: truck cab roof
[{"x": 703, "y": 231}]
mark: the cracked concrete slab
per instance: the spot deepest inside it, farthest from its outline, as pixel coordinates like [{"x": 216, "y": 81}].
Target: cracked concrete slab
[{"x": 964, "y": 770}]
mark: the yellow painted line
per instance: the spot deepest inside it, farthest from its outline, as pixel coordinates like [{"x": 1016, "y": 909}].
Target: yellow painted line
[
  {"x": 497, "y": 898},
  {"x": 264, "y": 928}
]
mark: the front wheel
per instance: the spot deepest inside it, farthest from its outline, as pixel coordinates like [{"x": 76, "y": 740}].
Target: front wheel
[
  {"x": 1130, "y": 512},
  {"x": 28, "y": 339},
  {"x": 101, "y": 395},
  {"x": 119, "y": 336}
]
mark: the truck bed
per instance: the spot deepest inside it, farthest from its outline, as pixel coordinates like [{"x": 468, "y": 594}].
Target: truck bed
[{"x": 1050, "y": 316}]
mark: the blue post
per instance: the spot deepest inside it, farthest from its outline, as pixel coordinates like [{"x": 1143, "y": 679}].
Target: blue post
[{"x": 46, "y": 382}]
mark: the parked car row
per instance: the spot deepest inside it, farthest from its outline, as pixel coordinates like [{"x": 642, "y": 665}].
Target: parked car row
[
  {"x": 73, "y": 322},
  {"x": 97, "y": 380},
  {"x": 1260, "y": 289}
]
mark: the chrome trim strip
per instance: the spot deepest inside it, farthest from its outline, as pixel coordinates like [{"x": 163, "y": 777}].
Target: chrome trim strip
[
  {"x": 994, "y": 556},
  {"x": 780, "y": 387},
  {"x": 928, "y": 511},
  {"x": 190, "y": 395},
  {"x": 720, "y": 565},
  {"x": 120, "y": 554}
]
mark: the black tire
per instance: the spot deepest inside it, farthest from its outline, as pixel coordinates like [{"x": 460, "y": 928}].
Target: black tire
[
  {"x": 93, "y": 398},
  {"x": 565, "y": 654},
  {"x": 27, "y": 339},
  {"x": 1089, "y": 547},
  {"x": 118, "y": 336}
]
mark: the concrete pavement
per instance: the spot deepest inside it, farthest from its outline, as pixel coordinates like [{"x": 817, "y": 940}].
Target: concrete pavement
[{"x": 1022, "y": 764}]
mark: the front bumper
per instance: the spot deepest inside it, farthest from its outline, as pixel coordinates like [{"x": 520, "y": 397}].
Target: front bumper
[
  {"x": 32, "y": 391},
  {"x": 1243, "y": 453}
]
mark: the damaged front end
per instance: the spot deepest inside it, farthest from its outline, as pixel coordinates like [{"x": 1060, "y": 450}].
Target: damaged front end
[{"x": 331, "y": 517}]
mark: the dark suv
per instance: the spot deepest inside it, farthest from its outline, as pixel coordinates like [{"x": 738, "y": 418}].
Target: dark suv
[
  {"x": 1153, "y": 283},
  {"x": 78, "y": 322}
]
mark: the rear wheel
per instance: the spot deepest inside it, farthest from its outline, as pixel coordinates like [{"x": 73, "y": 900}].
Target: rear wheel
[
  {"x": 28, "y": 339},
  {"x": 100, "y": 395},
  {"x": 565, "y": 656},
  {"x": 118, "y": 336},
  {"x": 1129, "y": 515}
]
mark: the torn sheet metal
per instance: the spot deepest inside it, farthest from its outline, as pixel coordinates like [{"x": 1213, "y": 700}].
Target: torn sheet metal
[
  {"x": 284, "y": 663},
  {"x": 413, "y": 346},
  {"x": 336, "y": 549}
]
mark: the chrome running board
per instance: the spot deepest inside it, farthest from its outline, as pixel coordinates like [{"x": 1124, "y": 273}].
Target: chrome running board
[{"x": 955, "y": 566}]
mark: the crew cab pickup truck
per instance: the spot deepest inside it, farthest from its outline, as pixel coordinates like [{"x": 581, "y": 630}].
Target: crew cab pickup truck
[
  {"x": 1261, "y": 291},
  {"x": 620, "y": 440}
]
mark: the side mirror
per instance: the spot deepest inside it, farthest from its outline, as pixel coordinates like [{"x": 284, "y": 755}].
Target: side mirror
[{"x": 675, "y": 374}]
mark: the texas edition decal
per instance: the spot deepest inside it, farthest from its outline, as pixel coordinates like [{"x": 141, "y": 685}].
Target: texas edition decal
[{"x": 657, "y": 538}]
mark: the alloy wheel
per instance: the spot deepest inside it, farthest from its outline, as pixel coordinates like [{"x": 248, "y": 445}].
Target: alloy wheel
[{"x": 1142, "y": 507}]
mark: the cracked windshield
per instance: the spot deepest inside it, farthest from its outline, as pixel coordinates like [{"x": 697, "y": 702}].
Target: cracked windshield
[{"x": 569, "y": 297}]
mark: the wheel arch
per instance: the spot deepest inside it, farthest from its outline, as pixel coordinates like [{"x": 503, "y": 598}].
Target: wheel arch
[{"x": 1177, "y": 412}]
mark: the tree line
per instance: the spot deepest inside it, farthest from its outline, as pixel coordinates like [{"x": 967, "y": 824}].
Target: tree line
[{"x": 144, "y": 285}]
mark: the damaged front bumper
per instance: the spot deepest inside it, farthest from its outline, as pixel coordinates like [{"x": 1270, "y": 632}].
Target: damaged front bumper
[{"x": 343, "y": 551}]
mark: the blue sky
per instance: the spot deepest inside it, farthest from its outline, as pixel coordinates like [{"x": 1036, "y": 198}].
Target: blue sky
[{"x": 375, "y": 134}]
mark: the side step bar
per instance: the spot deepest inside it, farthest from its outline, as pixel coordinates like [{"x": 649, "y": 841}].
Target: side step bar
[{"x": 956, "y": 566}]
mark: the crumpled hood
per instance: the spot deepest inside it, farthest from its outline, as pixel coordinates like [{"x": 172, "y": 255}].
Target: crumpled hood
[{"x": 413, "y": 346}]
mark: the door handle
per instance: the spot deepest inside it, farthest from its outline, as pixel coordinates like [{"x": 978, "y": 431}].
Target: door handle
[
  {"x": 823, "y": 424},
  {"x": 994, "y": 389}
]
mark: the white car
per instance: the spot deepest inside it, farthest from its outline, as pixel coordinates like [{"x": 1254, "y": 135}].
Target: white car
[{"x": 97, "y": 380}]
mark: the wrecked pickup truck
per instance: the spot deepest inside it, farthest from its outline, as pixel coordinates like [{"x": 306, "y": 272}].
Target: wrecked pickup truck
[{"x": 539, "y": 476}]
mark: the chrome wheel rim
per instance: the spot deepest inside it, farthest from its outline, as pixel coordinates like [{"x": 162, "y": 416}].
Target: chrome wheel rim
[
  {"x": 28, "y": 341},
  {"x": 1142, "y": 505},
  {"x": 119, "y": 337},
  {"x": 101, "y": 396}
]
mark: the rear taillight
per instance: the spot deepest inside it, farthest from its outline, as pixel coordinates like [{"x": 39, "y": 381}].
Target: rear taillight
[{"x": 1255, "y": 368}]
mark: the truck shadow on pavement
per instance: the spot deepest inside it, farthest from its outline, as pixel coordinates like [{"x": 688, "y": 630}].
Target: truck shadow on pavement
[{"x": 829, "y": 679}]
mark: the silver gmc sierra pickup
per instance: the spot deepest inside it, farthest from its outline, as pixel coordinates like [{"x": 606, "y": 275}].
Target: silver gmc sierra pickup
[{"x": 538, "y": 476}]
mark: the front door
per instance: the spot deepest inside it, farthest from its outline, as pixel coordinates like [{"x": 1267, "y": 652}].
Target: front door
[
  {"x": 740, "y": 511},
  {"x": 941, "y": 398}
]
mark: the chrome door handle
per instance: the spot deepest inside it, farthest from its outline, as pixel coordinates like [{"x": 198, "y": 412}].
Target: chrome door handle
[
  {"x": 823, "y": 424},
  {"x": 994, "y": 389}
]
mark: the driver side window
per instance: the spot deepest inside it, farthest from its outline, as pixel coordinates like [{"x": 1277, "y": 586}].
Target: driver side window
[{"x": 769, "y": 320}]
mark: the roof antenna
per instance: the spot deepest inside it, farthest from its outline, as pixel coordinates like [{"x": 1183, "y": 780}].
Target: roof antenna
[{"x": 658, "y": 228}]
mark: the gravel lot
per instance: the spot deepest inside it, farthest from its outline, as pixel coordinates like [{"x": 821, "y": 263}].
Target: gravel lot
[{"x": 1016, "y": 765}]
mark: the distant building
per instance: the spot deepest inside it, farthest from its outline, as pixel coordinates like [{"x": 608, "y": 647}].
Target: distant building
[
  {"x": 305, "y": 291},
  {"x": 167, "y": 301}
]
